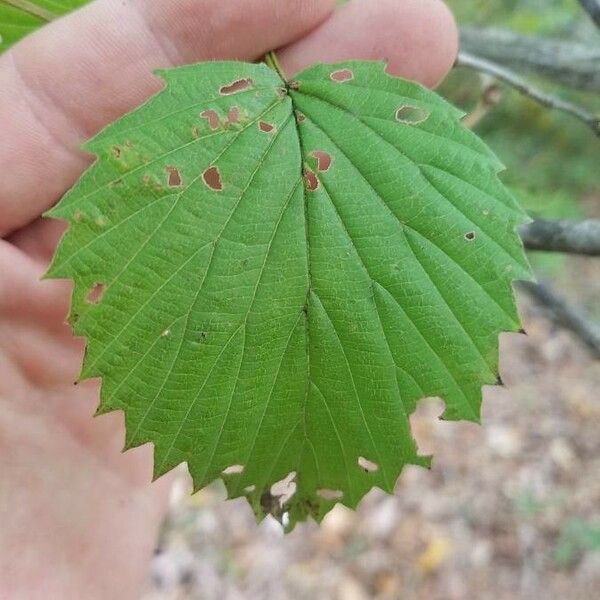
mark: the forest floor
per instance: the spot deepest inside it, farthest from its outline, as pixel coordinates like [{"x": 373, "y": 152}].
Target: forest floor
[{"x": 510, "y": 509}]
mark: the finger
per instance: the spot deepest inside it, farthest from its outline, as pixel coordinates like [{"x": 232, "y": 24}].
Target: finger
[
  {"x": 419, "y": 38},
  {"x": 66, "y": 81}
]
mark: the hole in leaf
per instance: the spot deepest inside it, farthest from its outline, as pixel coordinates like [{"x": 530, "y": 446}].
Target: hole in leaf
[
  {"x": 212, "y": 178},
  {"x": 284, "y": 489},
  {"x": 233, "y": 470},
  {"x": 311, "y": 180},
  {"x": 249, "y": 489},
  {"x": 330, "y": 494},
  {"x": 94, "y": 296},
  {"x": 282, "y": 92},
  {"x": 166, "y": 333},
  {"x": 300, "y": 117},
  {"x": 212, "y": 116},
  {"x": 368, "y": 465},
  {"x": 265, "y": 127},
  {"x": 237, "y": 86},
  {"x": 342, "y": 75},
  {"x": 173, "y": 176},
  {"x": 411, "y": 115},
  {"x": 323, "y": 159},
  {"x": 470, "y": 236}
]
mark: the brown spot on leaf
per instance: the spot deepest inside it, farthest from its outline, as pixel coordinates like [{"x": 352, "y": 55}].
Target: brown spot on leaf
[
  {"x": 212, "y": 178},
  {"x": 470, "y": 236},
  {"x": 173, "y": 177},
  {"x": 294, "y": 85},
  {"x": 323, "y": 159},
  {"x": 342, "y": 75},
  {"x": 237, "y": 86},
  {"x": 116, "y": 150},
  {"x": 77, "y": 215},
  {"x": 411, "y": 115},
  {"x": 94, "y": 296},
  {"x": 300, "y": 117},
  {"x": 311, "y": 180},
  {"x": 282, "y": 91},
  {"x": 233, "y": 116},
  {"x": 195, "y": 132},
  {"x": 265, "y": 127},
  {"x": 212, "y": 116}
]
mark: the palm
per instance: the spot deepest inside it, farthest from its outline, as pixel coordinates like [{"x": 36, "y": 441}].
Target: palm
[
  {"x": 52, "y": 451},
  {"x": 40, "y": 361}
]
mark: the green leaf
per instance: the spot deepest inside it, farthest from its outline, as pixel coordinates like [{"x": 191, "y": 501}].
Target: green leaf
[
  {"x": 271, "y": 275},
  {"x": 20, "y": 17}
]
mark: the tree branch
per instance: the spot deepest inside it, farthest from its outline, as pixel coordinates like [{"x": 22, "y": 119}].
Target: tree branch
[
  {"x": 576, "y": 65},
  {"x": 592, "y": 8},
  {"x": 565, "y": 315},
  {"x": 524, "y": 87},
  {"x": 573, "y": 237}
]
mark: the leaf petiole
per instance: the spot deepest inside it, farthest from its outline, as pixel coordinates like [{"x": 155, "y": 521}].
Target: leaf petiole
[{"x": 272, "y": 61}]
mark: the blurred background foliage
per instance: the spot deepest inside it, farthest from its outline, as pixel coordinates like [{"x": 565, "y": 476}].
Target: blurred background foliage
[{"x": 551, "y": 158}]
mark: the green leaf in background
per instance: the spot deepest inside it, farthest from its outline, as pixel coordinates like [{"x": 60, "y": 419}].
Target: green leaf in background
[
  {"x": 20, "y": 17},
  {"x": 270, "y": 276}
]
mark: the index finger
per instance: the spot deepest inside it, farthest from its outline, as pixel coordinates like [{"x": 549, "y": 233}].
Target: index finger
[{"x": 62, "y": 84}]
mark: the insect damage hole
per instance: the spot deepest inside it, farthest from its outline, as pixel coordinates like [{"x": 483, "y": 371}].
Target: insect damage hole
[
  {"x": 94, "y": 296},
  {"x": 265, "y": 127},
  {"x": 411, "y": 115},
  {"x": 233, "y": 470},
  {"x": 173, "y": 177},
  {"x": 311, "y": 180},
  {"x": 236, "y": 86},
  {"x": 324, "y": 159},
  {"x": 470, "y": 236},
  {"x": 212, "y": 179},
  {"x": 284, "y": 489},
  {"x": 212, "y": 116},
  {"x": 368, "y": 465},
  {"x": 341, "y": 75},
  {"x": 330, "y": 494}
]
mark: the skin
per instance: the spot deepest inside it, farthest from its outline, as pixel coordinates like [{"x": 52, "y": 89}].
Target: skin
[{"x": 79, "y": 519}]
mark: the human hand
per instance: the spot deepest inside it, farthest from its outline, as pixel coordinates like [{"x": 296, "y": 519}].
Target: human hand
[{"x": 78, "y": 518}]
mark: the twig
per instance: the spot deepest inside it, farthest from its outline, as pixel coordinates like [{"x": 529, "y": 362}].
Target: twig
[
  {"x": 565, "y": 315},
  {"x": 573, "y": 237},
  {"x": 524, "y": 87},
  {"x": 592, "y": 8},
  {"x": 491, "y": 95},
  {"x": 574, "y": 64}
]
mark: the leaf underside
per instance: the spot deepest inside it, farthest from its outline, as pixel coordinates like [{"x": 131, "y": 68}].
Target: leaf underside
[{"x": 270, "y": 276}]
